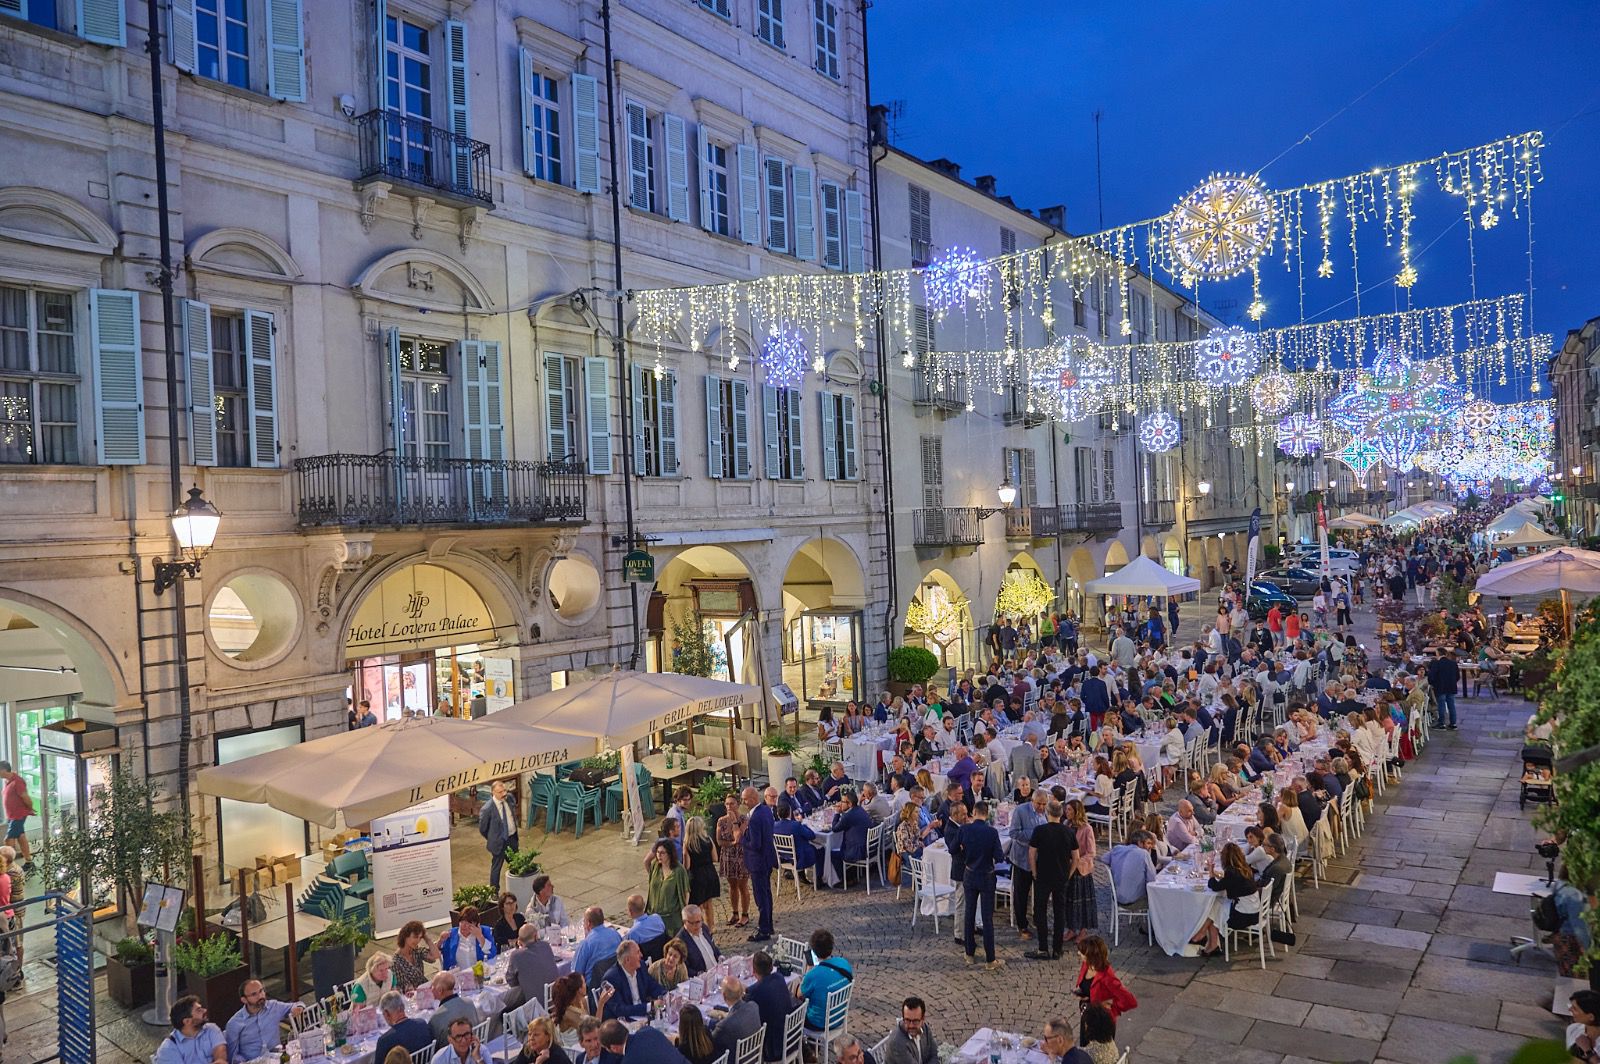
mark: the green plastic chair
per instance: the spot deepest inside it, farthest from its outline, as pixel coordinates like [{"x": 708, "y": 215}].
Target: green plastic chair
[{"x": 576, "y": 800}]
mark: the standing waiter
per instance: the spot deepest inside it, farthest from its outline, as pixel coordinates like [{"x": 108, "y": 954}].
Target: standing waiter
[
  {"x": 497, "y": 823},
  {"x": 980, "y": 851}
]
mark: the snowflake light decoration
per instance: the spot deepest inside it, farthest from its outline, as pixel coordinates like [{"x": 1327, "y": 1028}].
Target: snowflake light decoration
[
  {"x": 1227, "y": 356},
  {"x": 1223, "y": 227},
  {"x": 1360, "y": 455},
  {"x": 952, "y": 279},
  {"x": 1272, "y": 393},
  {"x": 1400, "y": 444},
  {"x": 1159, "y": 432},
  {"x": 1299, "y": 435},
  {"x": 784, "y": 358},
  {"x": 1478, "y": 416},
  {"x": 1074, "y": 381}
]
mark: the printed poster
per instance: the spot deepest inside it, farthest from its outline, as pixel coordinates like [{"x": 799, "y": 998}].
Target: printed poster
[{"x": 411, "y": 877}]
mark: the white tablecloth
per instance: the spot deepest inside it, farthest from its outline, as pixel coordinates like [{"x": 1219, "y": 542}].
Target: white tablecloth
[
  {"x": 1012, "y": 1047},
  {"x": 1180, "y": 904},
  {"x": 821, "y": 822},
  {"x": 861, "y": 754}
]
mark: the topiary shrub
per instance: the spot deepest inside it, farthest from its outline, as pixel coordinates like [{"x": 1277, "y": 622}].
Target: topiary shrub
[{"x": 912, "y": 664}]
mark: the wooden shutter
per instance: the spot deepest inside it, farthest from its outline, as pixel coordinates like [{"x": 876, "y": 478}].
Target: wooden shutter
[
  {"x": 932, "y": 472},
  {"x": 770, "y": 437},
  {"x": 482, "y": 393},
  {"x": 741, "y": 429},
  {"x": 1094, "y": 475},
  {"x": 118, "y": 376},
  {"x": 847, "y": 418},
  {"x": 286, "y": 50},
  {"x": 1108, "y": 467},
  {"x": 677, "y": 140},
  {"x": 714, "y": 427},
  {"x": 638, "y": 421},
  {"x": 854, "y": 246},
  {"x": 597, "y": 412},
  {"x": 585, "y": 133},
  {"x": 181, "y": 28},
  {"x": 749, "y": 194},
  {"x": 1027, "y": 489},
  {"x": 455, "y": 50},
  {"x": 832, "y": 226},
  {"x": 380, "y": 16},
  {"x": 103, "y": 22},
  {"x": 797, "y": 463},
  {"x": 921, "y": 331},
  {"x": 202, "y": 386},
  {"x": 705, "y": 180},
  {"x": 397, "y": 403},
  {"x": 525, "y": 77},
  {"x": 18, "y": 8},
  {"x": 830, "y": 445},
  {"x": 667, "y": 411},
  {"x": 774, "y": 172},
  {"x": 921, "y": 223},
  {"x": 558, "y": 445},
  {"x": 261, "y": 356},
  {"x": 805, "y": 214},
  {"x": 638, "y": 155}
]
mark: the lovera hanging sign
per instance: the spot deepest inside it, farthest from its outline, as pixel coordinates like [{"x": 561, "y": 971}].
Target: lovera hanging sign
[{"x": 418, "y": 608}]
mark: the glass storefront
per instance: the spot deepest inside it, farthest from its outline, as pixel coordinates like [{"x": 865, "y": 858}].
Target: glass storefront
[
  {"x": 69, "y": 782},
  {"x": 822, "y": 655},
  {"x": 246, "y": 830},
  {"x": 22, "y": 742},
  {"x": 450, "y": 681}
]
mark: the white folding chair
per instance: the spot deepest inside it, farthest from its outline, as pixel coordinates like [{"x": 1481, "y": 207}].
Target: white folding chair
[
  {"x": 1261, "y": 931},
  {"x": 1139, "y": 910},
  {"x": 933, "y": 890},
  {"x": 1395, "y": 763},
  {"x": 424, "y": 1055},
  {"x": 794, "y": 1025},
  {"x": 880, "y": 1050},
  {"x": 787, "y": 861},
  {"x": 1002, "y": 889},
  {"x": 517, "y": 1020},
  {"x": 836, "y": 1013},
  {"x": 748, "y": 1049},
  {"x": 868, "y": 862},
  {"x": 547, "y": 988},
  {"x": 791, "y": 953},
  {"x": 480, "y": 1029},
  {"x": 310, "y": 1018}
]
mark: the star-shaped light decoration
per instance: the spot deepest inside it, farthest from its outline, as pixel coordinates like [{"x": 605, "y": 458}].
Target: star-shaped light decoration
[
  {"x": 1074, "y": 381},
  {"x": 1223, "y": 227},
  {"x": 1299, "y": 435},
  {"x": 1273, "y": 393},
  {"x": 1359, "y": 454},
  {"x": 952, "y": 279}
]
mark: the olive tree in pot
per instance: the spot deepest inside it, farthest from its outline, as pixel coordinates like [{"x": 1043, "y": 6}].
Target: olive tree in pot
[
  {"x": 334, "y": 949},
  {"x": 521, "y": 867},
  {"x": 780, "y": 750},
  {"x": 909, "y": 666},
  {"x": 214, "y": 972},
  {"x": 131, "y": 973}
]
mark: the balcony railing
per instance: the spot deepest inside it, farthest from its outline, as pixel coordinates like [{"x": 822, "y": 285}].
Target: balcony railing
[
  {"x": 1019, "y": 522},
  {"x": 946, "y": 526},
  {"x": 1157, "y": 513},
  {"x": 385, "y": 489},
  {"x": 1076, "y": 517},
  {"x": 942, "y": 391},
  {"x": 398, "y": 147}
]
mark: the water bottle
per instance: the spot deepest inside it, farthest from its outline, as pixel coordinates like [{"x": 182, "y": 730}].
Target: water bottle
[{"x": 994, "y": 1048}]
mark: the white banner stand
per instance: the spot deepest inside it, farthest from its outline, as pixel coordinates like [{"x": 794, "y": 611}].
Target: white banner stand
[{"x": 633, "y": 808}]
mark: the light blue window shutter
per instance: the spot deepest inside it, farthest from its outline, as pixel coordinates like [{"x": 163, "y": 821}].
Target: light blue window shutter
[
  {"x": 597, "y": 408},
  {"x": 286, "y": 50},
  {"x": 585, "y": 133},
  {"x": 525, "y": 91},
  {"x": 775, "y": 174},
  {"x": 749, "y": 194},
  {"x": 830, "y": 454},
  {"x": 482, "y": 402},
  {"x": 261, "y": 355},
  {"x": 638, "y": 421},
  {"x": 638, "y": 123},
  {"x": 202, "y": 387},
  {"x": 397, "y": 402},
  {"x": 797, "y": 464},
  {"x": 669, "y": 424},
  {"x": 854, "y": 249},
  {"x": 847, "y": 429},
  {"x": 380, "y": 16},
  {"x": 15, "y": 7},
  {"x": 805, "y": 214},
  {"x": 103, "y": 22},
  {"x": 705, "y": 179},
  {"x": 676, "y": 135},
  {"x": 557, "y": 444},
  {"x": 832, "y": 226},
  {"x": 714, "y": 427},
  {"x": 455, "y": 50},
  {"x": 180, "y": 33},
  {"x": 741, "y": 430},
  {"x": 118, "y": 376},
  {"x": 769, "y": 431}
]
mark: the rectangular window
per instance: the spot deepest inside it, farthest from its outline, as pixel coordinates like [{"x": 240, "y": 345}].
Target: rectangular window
[
  {"x": 222, "y": 38},
  {"x": 921, "y": 225},
  {"x": 1019, "y": 470},
  {"x": 932, "y": 472},
  {"x": 832, "y": 226},
  {"x": 825, "y": 16},
  {"x": 425, "y": 398},
  {"x": 1078, "y": 315},
  {"x": 769, "y": 22},
  {"x": 38, "y": 12},
  {"x": 641, "y": 157},
  {"x": 717, "y": 7},
  {"x": 544, "y": 127},
  {"x": 728, "y": 428},
  {"x": 781, "y": 408},
  {"x": 775, "y": 181},
  {"x": 1108, "y": 467},
  {"x": 716, "y": 204},
  {"x": 560, "y": 407},
  {"x": 655, "y": 428},
  {"x": 230, "y": 379},
  {"x": 408, "y": 94},
  {"x": 1086, "y": 487},
  {"x": 38, "y": 377}
]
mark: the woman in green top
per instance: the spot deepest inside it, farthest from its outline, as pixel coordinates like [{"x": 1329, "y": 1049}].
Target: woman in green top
[{"x": 669, "y": 887}]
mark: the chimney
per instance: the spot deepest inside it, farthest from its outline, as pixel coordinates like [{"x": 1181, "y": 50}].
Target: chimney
[
  {"x": 1054, "y": 216},
  {"x": 878, "y": 125},
  {"x": 947, "y": 168},
  {"x": 985, "y": 184}
]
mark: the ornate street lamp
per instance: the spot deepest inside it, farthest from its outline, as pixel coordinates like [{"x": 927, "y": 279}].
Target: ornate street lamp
[{"x": 194, "y": 526}]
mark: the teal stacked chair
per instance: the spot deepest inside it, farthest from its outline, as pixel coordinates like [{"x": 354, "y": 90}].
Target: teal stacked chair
[
  {"x": 575, "y": 800},
  {"x": 642, "y": 779},
  {"x": 327, "y": 895},
  {"x": 542, "y": 793},
  {"x": 353, "y": 869}
]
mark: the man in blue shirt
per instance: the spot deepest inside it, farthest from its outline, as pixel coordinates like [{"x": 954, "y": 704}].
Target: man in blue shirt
[
  {"x": 254, "y": 1029},
  {"x": 193, "y": 1040},
  {"x": 1027, "y": 817},
  {"x": 408, "y": 1032},
  {"x": 647, "y": 927},
  {"x": 1133, "y": 866},
  {"x": 599, "y": 942},
  {"x": 828, "y": 974},
  {"x": 980, "y": 852}
]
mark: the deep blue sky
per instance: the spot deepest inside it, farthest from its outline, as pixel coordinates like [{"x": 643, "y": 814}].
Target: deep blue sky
[{"x": 1009, "y": 87}]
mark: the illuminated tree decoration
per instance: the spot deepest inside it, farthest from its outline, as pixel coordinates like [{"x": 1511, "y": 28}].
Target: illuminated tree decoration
[
  {"x": 1223, "y": 227},
  {"x": 1023, "y": 593},
  {"x": 1273, "y": 393},
  {"x": 953, "y": 278},
  {"x": 1360, "y": 455},
  {"x": 935, "y": 616},
  {"x": 1478, "y": 416},
  {"x": 1299, "y": 435},
  {"x": 1159, "y": 432},
  {"x": 784, "y": 358},
  {"x": 1400, "y": 444},
  {"x": 1227, "y": 357}
]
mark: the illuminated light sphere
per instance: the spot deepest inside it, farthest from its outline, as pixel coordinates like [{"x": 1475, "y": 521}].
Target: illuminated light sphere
[
  {"x": 1478, "y": 415},
  {"x": 1273, "y": 393},
  {"x": 784, "y": 357},
  {"x": 953, "y": 278},
  {"x": 1223, "y": 227},
  {"x": 1299, "y": 435},
  {"x": 1227, "y": 356},
  {"x": 1360, "y": 455},
  {"x": 1159, "y": 432}
]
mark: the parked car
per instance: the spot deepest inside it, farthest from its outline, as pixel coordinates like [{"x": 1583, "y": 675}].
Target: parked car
[
  {"x": 1264, "y": 595},
  {"x": 1293, "y": 580},
  {"x": 1340, "y": 560}
]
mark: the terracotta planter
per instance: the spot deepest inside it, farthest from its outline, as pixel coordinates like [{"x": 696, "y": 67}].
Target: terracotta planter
[{"x": 132, "y": 986}]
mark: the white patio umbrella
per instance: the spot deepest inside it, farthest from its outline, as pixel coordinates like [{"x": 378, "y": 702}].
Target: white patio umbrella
[
  {"x": 1361, "y": 519},
  {"x": 369, "y": 772},
  {"x": 1142, "y": 576},
  {"x": 1567, "y": 570},
  {"x": 1529, "y": 535},
  {"x": 1347, "y": 522},
  {"x": 625, "y": 706}
]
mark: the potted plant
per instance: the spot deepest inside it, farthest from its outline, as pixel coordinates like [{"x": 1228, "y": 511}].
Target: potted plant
[
  {"x": 334, "y": 948},
  {"x": 909, "y": 666},
  {"x": 213, "y": 971},
  {"x": 131, "y": 973},
  {"x": 521, "y": 867},
  {"x": 480, "y": 896},
  {"x": 780, "y": 750},
  {"x": 708, "y": 800}
]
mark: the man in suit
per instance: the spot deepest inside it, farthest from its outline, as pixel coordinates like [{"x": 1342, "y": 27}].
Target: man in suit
[
  {"x": 759, "y": 858},
  {"x": 742, "y": 1021},
  {"x": 1096, "y": 697},
  {"x": 773, "y": 1002},
  {"x": 1444, "y": 676},
  {"x": 696, "y": 938},
  {"x": 980, "y": 851},
  {"x": 408, "y": 1032},
  {"x": 645, "y": 1046},
  {"x": 634, "y": 988},
  {"x": 497, "y": 823},
  {"x": 790, "y": 798},
  {"x": 529, "y": 968},
  {"x": 850, "y": 826},
  {"x": 912, "y": 1040},
  {"x": 452, "y": 1007}
]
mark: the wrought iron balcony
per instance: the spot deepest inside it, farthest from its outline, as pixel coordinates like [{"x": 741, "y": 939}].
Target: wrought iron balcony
[
  {"x": 1157, "y": 513},
  {"x": 397, "y": 147},
  {"x": 386, "y": 489},
  {"x": 1071, "y": 518},
  {"x": 946, "y": 526},
  {"x": 947, "y": 392},
  {"x": 1019, "y": 522}
]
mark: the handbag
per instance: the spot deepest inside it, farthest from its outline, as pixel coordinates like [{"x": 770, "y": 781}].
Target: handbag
[{"x": 894, "y": 868}]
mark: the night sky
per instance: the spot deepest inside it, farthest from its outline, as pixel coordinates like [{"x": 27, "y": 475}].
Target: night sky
[{"x": 1010, "y": 88}]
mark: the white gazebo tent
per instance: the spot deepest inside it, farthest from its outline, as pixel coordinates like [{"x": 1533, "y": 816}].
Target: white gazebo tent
[
  {"x": 1509, "y": 521},
  {"x": 1348, "y": 522},
  {"x": 1142, "y": 576},
  {"x": 1361, "y": 518},
  {"x": 1529, "y": 535}
]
